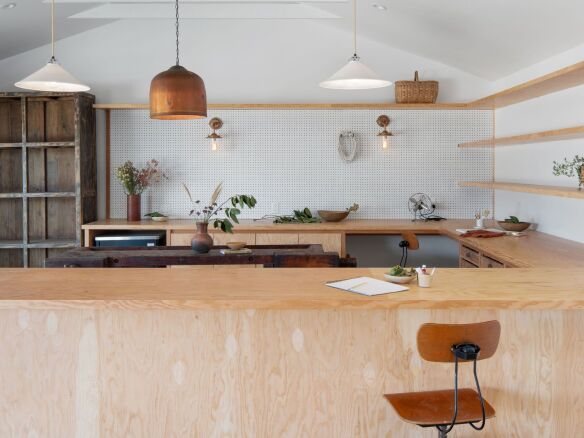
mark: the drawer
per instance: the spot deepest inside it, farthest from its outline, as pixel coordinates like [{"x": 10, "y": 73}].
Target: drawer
[
  {"x": 276, "y": 239},
  {"x": 472, "y": 255},
  {"x": 465, "y": 264},
  {"x": 487, "y": 262},
  {"x": 331, "y": 242}
]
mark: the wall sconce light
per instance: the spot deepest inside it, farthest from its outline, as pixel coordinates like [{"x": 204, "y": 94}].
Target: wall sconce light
[
  {"x": 215, "y": 123},
  {"x": 383, "y": 121}
]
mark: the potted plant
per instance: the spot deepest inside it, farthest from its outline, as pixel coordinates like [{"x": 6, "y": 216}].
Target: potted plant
[
  {"x": 135, "y": 181},
  {"x": 573, "y": 168},
  {"x": 202, "y": 242}
]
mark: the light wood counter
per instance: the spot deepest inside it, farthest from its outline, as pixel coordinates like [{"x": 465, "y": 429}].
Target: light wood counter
[
  {"x": 115, "y": 353},
  {"x": 533, "y": 250},
  {"x": 285, "y": 289}
]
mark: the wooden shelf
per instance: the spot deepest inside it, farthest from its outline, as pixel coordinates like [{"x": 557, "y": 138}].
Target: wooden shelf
[
  {"x": 52, "y": 243},
  {"x": 534, "y": 137},
  {"x": 289, "y": 106},
  {"x": 564, "y": 192},
  {"x": 11, "y": 244},
  {"x": 10, "y": 145},
  {"x": 39, "y": 195},
  {"x": 562, "y": 79},
  {"x": 50, "y": 144}
]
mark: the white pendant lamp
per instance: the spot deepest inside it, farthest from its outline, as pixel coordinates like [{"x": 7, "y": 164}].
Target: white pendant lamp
[
  {"x": 52, "y": 77},
  {"x": 355, "y": 75}
]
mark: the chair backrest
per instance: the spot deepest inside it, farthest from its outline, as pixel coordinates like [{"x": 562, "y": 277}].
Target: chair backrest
[
  {"x": 411, "y": 238},
  {"x": 436, "y": 340}
]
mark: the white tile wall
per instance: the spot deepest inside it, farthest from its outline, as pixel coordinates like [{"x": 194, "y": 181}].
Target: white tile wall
[{"x": 288, "y": 159}]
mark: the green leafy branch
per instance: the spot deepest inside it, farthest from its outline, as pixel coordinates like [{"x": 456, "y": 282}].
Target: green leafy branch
[{"x": 206, "y": 213}]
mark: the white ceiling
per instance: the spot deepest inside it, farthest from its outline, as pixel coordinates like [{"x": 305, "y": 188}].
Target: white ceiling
[{"x": 488, "y": 38}]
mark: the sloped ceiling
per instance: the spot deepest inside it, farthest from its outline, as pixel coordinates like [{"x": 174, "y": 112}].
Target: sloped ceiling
[{"x": 490, "y": 39}]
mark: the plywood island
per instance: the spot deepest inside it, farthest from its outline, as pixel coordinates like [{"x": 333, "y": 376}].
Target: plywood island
[{"x": 274, "y": 352}]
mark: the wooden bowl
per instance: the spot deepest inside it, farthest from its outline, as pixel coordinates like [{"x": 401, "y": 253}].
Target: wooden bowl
[
  {"x": 235, "y": 245},
  {"x": 159, "y": 218},
  {"x": 510, "y": 226},
  {"x": 403, "y": 279},
  {"x": 333, "y": 216}
]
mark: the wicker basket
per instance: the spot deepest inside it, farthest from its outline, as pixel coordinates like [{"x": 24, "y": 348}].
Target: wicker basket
[{"x": 416, "y": 91}]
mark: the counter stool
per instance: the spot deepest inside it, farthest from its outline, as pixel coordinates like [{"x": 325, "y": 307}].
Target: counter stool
[
  {"x": 409, "y": 242},
  {"x": 446, "y": 408}
]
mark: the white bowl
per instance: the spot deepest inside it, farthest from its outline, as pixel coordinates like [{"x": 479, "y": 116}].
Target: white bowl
[
  {"x": 400, "y": 279},
  {"x": 159, "y": 218}
]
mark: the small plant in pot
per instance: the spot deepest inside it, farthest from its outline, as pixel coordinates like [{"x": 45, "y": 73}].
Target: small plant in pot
[
  {"x": 204, "y": 214},
  {"x": 571, "y": 168},
  {"x": 135, "y": 181}
]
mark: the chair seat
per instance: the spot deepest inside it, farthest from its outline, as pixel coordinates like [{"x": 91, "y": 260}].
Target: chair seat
[{"x": 430, "y": 408}]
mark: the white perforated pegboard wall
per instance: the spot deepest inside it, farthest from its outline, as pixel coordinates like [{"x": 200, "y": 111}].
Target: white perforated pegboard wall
[{"x": 288, "y": 160}]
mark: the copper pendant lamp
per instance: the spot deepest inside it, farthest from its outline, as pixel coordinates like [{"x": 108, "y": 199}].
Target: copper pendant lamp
[{"x": 177, "y": 94}]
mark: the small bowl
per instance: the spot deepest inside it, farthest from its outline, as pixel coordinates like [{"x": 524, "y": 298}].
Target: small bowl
[
  {"x": 399, "y": 279},
  {"x": 235, "y": 245},
  {"x": 510, "y": 226},
  {"x": 333, "y": 216},
  {"x": 159, "y": 218}
]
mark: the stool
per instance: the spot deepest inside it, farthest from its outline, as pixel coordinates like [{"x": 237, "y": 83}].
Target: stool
[
  {"x": 409, "y": 242},
  {"x": 446, "y": 408}
]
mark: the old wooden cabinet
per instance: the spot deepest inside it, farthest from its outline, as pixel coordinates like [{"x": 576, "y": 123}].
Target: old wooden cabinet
[{"x": 47, "y": 174}]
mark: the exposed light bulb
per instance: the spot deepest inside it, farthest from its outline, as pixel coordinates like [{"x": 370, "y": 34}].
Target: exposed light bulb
[
  {"x": 213, "y": 144},
  {"x": 385, "y": 143}
]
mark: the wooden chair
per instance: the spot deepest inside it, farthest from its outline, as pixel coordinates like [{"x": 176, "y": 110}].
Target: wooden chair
[
  {"x": 409, "y": 242},
  {"x": 446, "y": 408}
]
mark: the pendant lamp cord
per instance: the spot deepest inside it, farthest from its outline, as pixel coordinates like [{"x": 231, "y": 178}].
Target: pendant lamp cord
[
  {"x": 53, "y": 31},
  {"x": 176, "y": 11},
  {"x": 355, "y": 28}
]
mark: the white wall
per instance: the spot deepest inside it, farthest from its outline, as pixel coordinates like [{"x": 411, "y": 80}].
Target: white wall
[
  {"x": 241, "y": 61},
  {"x": 532, "y": 163},
  {"x": 253, "y": 61}
]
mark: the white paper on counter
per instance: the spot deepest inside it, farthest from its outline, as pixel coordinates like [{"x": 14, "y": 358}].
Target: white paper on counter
[{"x": 367, "y": 286}]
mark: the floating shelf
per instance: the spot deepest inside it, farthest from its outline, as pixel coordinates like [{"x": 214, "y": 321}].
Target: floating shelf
[
  {"x": 534, "y": 137},
  {"x": 290, "y": 106},
  {"x": 564, "y": 192},
  {"x": 562, "y": 79}
]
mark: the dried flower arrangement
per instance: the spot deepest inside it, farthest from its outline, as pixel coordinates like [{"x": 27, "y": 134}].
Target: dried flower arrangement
[
  {"x": 135, "y": 180},
  {"x": 206, "y": 213}
]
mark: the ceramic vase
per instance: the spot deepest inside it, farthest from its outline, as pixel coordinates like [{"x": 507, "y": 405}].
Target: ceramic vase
[
  {"x": 133, "y": 208},
  {"x": 202, "y": 242}
]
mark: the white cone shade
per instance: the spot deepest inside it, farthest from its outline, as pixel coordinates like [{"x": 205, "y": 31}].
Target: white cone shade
[
  {"x": 52, "y": 77},
  {"x": 355, "y": 76}
]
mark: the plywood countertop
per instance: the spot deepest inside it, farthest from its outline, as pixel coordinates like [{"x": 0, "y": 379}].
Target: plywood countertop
[
  {"x": 535, "y": 249},
  {"x": 206, "y": 288}
]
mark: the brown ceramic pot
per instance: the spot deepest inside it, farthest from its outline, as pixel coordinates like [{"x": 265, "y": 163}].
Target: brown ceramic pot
[
  {"x": 202, "y": 242},
  {"x": 134, "y": 208},
  {"x": 581, "y": 178}
]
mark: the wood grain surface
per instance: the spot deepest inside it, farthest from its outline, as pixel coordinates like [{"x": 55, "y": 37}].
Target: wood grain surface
[
  {"x": 290, "y": 288},
  {"x": 535, "y": 249},
  {"x": 273, "y": 373}
]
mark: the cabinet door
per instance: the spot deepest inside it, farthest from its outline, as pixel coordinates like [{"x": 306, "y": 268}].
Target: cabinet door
[
  {"x": 276, "y": 239},
  {"x": 331, "y": 242}
]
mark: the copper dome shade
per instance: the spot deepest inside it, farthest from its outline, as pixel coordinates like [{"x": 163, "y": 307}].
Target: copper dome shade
[{"x": 177, "y": 94}]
